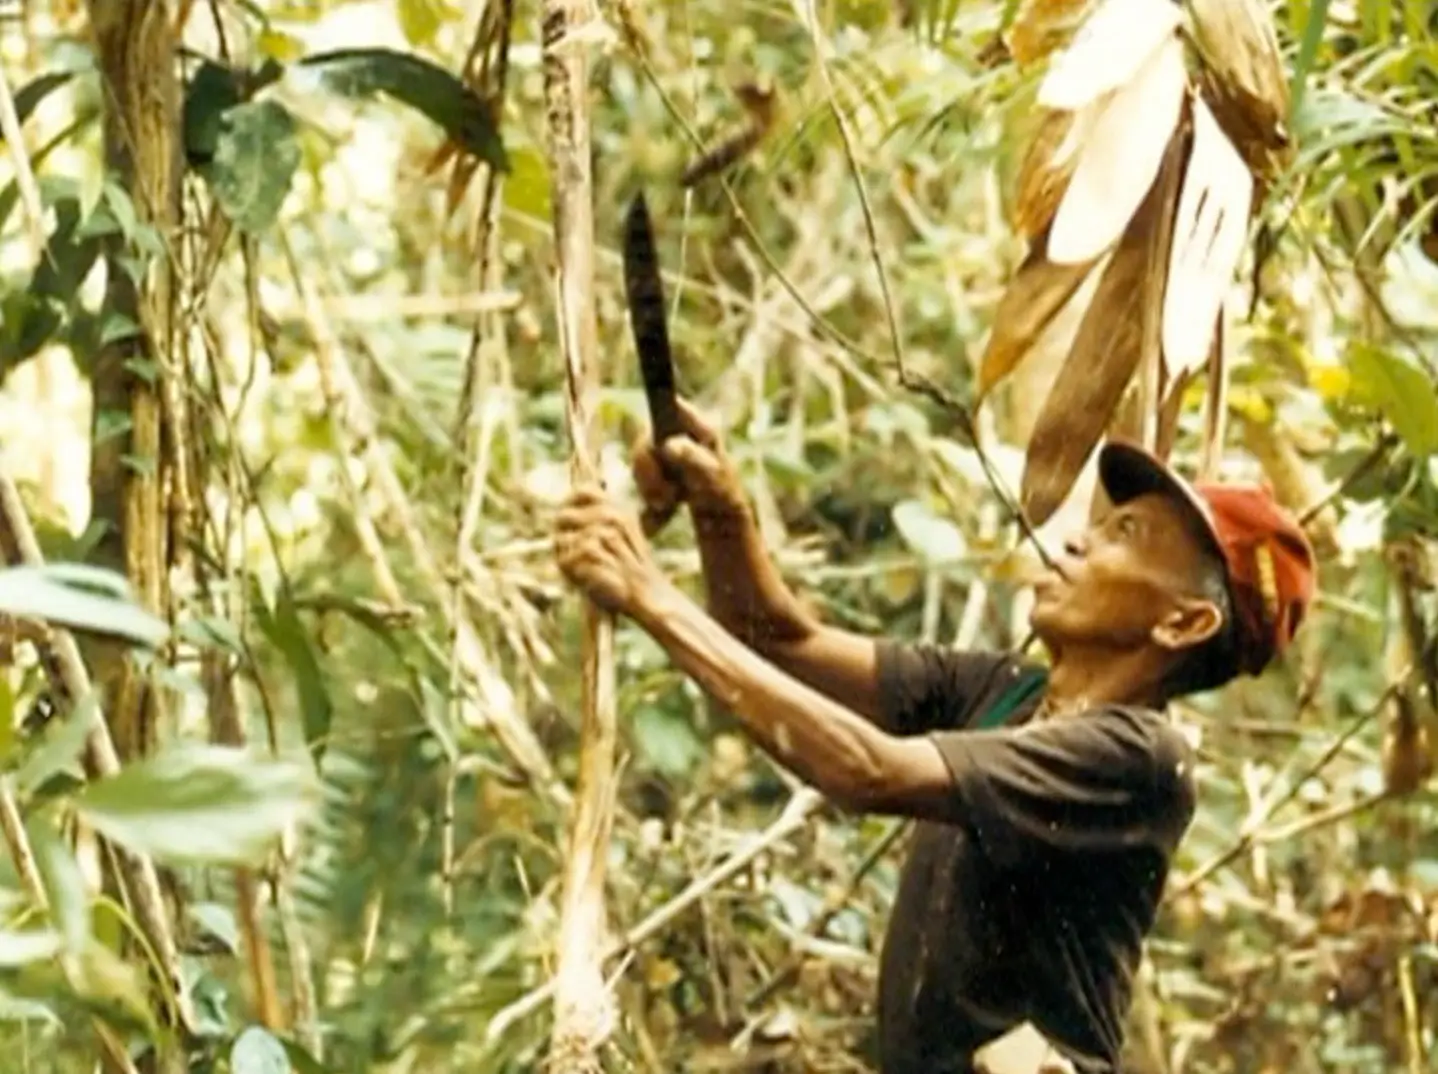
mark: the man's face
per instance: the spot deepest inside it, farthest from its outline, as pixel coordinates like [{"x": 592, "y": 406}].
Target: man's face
[{"x": 1118, "y": 580}]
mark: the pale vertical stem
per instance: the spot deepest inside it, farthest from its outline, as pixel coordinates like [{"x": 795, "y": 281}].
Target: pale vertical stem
[
  {"x": 1215, "y": 417},
  {"x": 583, "y": 1005}
]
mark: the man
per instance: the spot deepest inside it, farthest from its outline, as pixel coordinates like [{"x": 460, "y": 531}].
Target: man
[{"x": 1050, "y": 801}]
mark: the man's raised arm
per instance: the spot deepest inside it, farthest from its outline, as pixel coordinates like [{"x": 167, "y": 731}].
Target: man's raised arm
[{"x": 746, "y": 594}]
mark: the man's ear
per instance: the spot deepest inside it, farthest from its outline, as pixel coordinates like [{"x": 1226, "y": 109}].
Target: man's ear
[{"x": 1189, "y": 623}]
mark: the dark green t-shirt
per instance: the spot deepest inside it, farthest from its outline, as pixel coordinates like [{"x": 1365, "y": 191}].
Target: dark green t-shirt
[{"x": 1031, "y": 901}]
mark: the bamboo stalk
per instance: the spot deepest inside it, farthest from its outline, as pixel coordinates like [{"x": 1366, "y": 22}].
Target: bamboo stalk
[{"x": 583, "y": 1012}]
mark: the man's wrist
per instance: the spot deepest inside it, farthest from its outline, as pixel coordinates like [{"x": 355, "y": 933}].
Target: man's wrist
[{"x": 655, "y": 601}]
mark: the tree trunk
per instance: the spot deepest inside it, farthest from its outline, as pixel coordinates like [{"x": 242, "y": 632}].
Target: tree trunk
[
  {"x": 582, "y": 1011},
  {"x": 135, "y": 46}
]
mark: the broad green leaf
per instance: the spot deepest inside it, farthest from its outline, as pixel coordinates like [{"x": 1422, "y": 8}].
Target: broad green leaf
[
  {"x": 59, "y": 748},
  {"x": 421, "y": 19},
  {"x": 527, "y": 187},
  {"x": 287, "y": 633},
  {"x": 42, "y": 593},
  {"x": 302, "y": 1061},
  {"x": 30, "y": 96},
  {"x": 218, "y": 921},
  {"x": 23, "y": 948},
  {"x": 1405, "y": 395},
  {"x": 667, "y": 741},
  {"x": 110, "y": 987},
  {"x": 934, "y": 538},
  {"x": 213, "y": 632},
  {"x": 427, "y": 88},
  {"x": 255, "y": 159},
  {"x": 15, "y": 1008},
  {"x": 256, "y": 1052},
  {"x": 64, "y": 884},
  {"x": 213, "y": 90},
  {"x": 198, "y": 803}
]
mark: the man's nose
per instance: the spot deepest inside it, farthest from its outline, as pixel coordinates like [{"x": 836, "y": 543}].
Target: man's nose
[{"x": 1076, "y": 545}]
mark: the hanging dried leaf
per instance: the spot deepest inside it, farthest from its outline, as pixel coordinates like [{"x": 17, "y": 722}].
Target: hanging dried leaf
[
  {"x": 1208, "y": 235},
  {"x": 1034, "y": 297},
  {"x": 1122, "y": 325},
  {"x": 1119, "y": 159},
  {"x": 1116, "y": 42},
  {"x": 1041, "y": 26},
  {"x": 1047, "y": 168},
  {"x": 1241, "y": 77}
]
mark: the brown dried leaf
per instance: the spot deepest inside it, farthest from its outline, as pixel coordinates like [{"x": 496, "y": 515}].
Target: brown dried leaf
[
  {"x": 1241, "y": 76},
  {"x": 1034, "y": 297},
  {"x": 1121, "y": 327},
  {"x": 1045, "y": 173},
  {"x": 1120, "y": 158},
  {"x": 1041, "y": 26}
]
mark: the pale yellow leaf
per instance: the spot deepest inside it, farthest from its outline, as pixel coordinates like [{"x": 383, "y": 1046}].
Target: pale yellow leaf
[
  {"x": 1119, "y": 159},
  {"x": 1208, "y": 236},
  {"x": 1108, "y": 52}
]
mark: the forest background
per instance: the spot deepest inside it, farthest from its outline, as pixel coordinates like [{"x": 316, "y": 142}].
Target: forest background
[{"x": 314, "y": 418}]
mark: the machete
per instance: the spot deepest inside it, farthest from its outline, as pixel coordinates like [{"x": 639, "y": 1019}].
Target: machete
[{"x": 647, "y": 318}]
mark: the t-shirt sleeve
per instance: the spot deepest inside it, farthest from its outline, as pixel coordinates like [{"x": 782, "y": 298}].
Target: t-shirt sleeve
[
  {"x": 926, "y": 687},
  {"x": 1111, "y": 780}
]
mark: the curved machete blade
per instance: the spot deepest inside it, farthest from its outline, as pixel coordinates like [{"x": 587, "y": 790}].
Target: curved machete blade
[{"x": 646, "y": 316}]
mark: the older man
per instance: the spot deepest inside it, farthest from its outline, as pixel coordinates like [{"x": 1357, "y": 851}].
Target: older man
[{"x": 1050, "y": 799}]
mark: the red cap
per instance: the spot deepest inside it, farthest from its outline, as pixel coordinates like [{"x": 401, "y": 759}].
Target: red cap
[{"x": 1269, "y": 560}]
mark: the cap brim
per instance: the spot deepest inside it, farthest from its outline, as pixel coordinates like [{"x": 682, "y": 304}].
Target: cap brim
[{"x": 1127, "y": 471}]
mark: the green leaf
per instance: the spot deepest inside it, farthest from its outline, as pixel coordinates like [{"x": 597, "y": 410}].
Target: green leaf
[
  {"x": 111, "y": 988},
  {"x": 667, "y": 741},
  {"x": 213, "y": 633},
  {"x": 254, "y": 163},
  {"x": 219, "y": 922},
  {"x": 527, "y": 189},
  {"x": 30, "y": 96},
  {"x": 63, "y": 740},
  {"x": 198, "y": 803},
  {"x": 64, "y": 884},
  {"x": 115, "y": 327},
  {"x": 936, "y": 539},
  {"x": 256, "y": 1052},
  {"x": 1405, "y": 395},
  {"x": 302, "y": 1061},
  {"x": 14, "y": 1008},
  {"x": 23, "y": 948},
  {"x": 53, "y": 595},
  {"x": 287, "y": 633},
  {"x": 1307, "y": 52},
  {"x": 427, "y": 88},
  {"x": 420, "y": 20},
  {"x": 213, "y": 91}
]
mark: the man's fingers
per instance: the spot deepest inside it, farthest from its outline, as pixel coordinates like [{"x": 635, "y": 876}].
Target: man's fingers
[
  {"x": 696, "y": 424},
  {"x": 654, "y": 519}
]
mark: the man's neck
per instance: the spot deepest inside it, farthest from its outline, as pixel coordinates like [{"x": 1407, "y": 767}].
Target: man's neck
[{"x": 1079, "y": 681}]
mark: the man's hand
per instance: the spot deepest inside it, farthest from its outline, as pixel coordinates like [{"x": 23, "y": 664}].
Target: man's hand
[
  {"x": 692, "y": 469},
  {"x": 601, "y": 550}
]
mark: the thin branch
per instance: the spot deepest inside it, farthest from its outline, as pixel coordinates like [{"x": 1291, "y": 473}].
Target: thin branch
[
  {"x": 24, "y": 174},
  {"x": 794, "y": 816}
]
